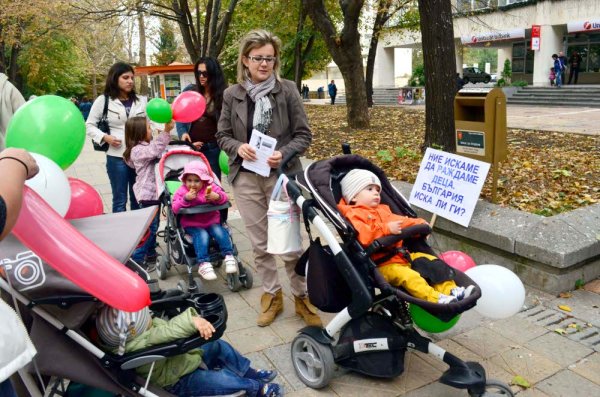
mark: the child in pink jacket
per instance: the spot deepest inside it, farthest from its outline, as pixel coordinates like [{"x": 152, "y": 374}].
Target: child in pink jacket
[{"x": 197, "y": 189}]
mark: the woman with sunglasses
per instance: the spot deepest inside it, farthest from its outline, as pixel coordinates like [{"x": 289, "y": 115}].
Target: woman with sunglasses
[
  {"x": 210, "y": 82},
  {"x": 263, "y": 101}
]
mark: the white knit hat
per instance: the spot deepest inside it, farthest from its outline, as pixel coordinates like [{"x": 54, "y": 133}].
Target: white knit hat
[
  {"x": 355, "y": 181},
  {"x": 115, "y": 327}
]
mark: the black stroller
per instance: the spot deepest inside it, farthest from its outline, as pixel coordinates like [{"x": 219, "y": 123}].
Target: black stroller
[
  {"x": 179, "y": 247},
  {"x": 59, "y": 315},
  {"x": 373, "y": 327}
]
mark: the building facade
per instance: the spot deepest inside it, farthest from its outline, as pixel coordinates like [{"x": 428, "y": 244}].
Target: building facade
[{"x": 526, "y": 32}]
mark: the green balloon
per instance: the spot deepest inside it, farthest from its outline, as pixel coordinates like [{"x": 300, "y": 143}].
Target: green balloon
[
  {"x": 430, "y": 323},
  {"x": 159, "y": 110},
  {"x": 48, "y": 125},
  {"x": 224, "y": 162}
]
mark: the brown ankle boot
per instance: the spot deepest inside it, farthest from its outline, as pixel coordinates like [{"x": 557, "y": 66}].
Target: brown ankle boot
[
  {"x": 270, "y": 307},
  {"x": 308, "y": 312}
]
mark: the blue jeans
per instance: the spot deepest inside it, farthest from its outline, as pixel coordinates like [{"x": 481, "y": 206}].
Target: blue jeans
[
  {"x": 227, "y": 380},
  {"x": 122, "y": 178},
  {"x": 149, "y": 247},
  {"x": 201, "y": 240},
  {"x": 6, "y": 389}
]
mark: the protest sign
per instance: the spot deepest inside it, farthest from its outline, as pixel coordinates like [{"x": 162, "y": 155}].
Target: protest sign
[{"x": 449, "y": 185}]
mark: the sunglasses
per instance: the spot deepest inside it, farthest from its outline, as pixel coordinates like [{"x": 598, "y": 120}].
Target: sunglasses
[{"x": 203, "y": 73}]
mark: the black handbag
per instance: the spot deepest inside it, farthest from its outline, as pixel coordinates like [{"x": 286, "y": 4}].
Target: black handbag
[{"x": 104, "y": 127}]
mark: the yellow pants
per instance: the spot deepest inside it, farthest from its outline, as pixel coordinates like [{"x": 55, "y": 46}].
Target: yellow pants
[{"x": 401, "y": 275}]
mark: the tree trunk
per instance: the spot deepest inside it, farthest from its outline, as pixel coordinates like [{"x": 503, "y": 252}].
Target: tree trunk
[
  {"x": 142, "y": 56},
  {"x": 94, "y": 84},
  {"x": 383, "y": 15},
  {"x": 186, "y": 27},
  {"x": 439, "y": 66},
  {"x": 298, "y": 48},
  {"x": 345, "y": 50}
]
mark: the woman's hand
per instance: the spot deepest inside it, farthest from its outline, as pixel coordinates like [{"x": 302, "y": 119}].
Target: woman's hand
[
  {"x": 191, "y": 195},
  {"x": 25, "y": 158},
  {"x": 247, "y": 152},
  {"x": 198, "y": 144},
  {"x": 112, "y": 141},
  {"x": 204, "y": 327},
  {"x": 275, "y": 159},
  {"x": 186, "y": 137}
]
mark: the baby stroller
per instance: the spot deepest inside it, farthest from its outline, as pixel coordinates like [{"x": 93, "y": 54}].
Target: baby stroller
[
  {"x": 373, "y": 327},
  {"x": 59, "y": 315},
  {"x": 179, "y": 246}
]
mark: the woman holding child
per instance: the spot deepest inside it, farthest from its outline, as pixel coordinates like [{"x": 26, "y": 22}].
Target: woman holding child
[{"x": 263, "y": 101}]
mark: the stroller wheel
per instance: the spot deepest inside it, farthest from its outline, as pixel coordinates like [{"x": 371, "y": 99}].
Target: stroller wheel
[
  {"x": 246, "y": 277},
  {"x": 182, "y": 286},
  {"x": 196, "y": 287},
  {"x": 163, "y": 267},
  {"x": 312, "y": 361},
  {"x": 233, "y": 282},
  {"x": 495, "y": 388}
]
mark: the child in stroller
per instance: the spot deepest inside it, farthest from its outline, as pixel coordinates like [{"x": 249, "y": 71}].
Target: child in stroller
[
  {"x": 197, "y": 189},
  {"x": 194, "y": 372},
  {"x": 362, "y": 206},
  {"x": 179, "y": 246}
]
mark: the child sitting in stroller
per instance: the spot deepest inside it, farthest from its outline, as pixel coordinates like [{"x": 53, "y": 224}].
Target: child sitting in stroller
[
  {"x": 197, "y": 189},
  {"x": 372, "y": 220},
  {"x": 194, "y": 373}
]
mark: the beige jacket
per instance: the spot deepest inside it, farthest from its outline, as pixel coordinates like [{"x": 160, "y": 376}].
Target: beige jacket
[
  {"x": 10, "y": 100},
  {"x": 289, "y": 125}
]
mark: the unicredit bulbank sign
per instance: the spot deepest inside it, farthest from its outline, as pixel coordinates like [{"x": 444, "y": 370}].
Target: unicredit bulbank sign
[
  {"x": 493, "y": 36},
  {"x": 583, "y": 26}
]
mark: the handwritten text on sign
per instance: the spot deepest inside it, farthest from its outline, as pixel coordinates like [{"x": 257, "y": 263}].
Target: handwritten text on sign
[{"x": 449, "y": 185}]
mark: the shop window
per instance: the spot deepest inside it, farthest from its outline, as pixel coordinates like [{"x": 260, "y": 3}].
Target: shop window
[
  {"x": 472, "y": 5},
  {"x": 583, "y": 52},
  {"x": 172, "y": 86},
  {"x": 594, "y": 58}
]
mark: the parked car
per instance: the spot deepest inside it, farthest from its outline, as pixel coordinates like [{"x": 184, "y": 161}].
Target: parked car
[{"x": 475, "y": 75}]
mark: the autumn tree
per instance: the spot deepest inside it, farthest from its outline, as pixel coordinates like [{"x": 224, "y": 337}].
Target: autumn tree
[
  {"x": 344, "y": 47},
  {"x": 166, "y": 44},
  {"x": 440, "y": 73}
]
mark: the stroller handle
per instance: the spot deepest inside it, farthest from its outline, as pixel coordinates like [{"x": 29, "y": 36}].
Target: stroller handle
[
  {"x": 184, "y": 143},
  {"x": 285, "y": 161}
]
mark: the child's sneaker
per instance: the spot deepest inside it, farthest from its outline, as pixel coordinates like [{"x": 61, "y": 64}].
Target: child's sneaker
[
  {"x": 461, "y": 292},
  {"x": 150, "y": 262},
  {"x": 271, "y": 390},
  {"x": 207, "y": 272},
  {"x": 445, "y": 299},
  {"x": 230, "y": 264},
  {"x": 261, "y": 375}
]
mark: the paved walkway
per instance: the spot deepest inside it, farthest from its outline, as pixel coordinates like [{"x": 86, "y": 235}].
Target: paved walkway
[{"x": 527, "y": 344}]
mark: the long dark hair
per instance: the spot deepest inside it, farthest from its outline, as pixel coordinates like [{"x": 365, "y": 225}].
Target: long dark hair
[
  {"x": 136, "y": 131},
  {"x": 216, "y": 80},
  {"x": 111, "y": 88}
]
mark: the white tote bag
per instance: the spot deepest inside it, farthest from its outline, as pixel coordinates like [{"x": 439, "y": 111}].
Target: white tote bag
[{"x": 283, "y": 222}]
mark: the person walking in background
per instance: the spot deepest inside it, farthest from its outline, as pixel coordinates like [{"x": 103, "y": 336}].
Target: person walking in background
[
  {"x": 123, "y": 104},
  {"x": 85, "y": 107},
  {"x": 557, "y": 70},
  {"x": 460, "y": 83},
  {"x": 210, "y": 82},
  {"x": 10, "y": 100},
  {"x": 563, "y": 60},
  {"x": 574, "y": 64},
  {"x": 331, "y": 87},
  {"x": 263, "y": 101}
]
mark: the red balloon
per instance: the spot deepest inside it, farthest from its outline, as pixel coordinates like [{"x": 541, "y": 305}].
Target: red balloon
[
  {"x": 188, "y": 106},
  {"x": 458, "y": 260},
  {"x": 85, "y": 200},
  {"x": 63, "y": 247}
]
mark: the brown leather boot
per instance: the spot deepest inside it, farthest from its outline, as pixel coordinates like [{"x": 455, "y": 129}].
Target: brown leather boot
[
  {"x": 270, "y": 307},
  {"x": 308, "y": 312}
]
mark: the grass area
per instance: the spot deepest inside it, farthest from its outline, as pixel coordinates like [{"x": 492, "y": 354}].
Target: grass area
[{"x": 546, "y": 172}]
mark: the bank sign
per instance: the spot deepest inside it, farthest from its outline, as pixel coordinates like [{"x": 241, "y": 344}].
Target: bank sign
[
  {"x": 493, "y": 36},
  {"x": 584, "y": 26}
]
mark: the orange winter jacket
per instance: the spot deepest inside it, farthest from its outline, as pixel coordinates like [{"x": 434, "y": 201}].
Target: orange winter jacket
[{"x": 372, "y": 223}]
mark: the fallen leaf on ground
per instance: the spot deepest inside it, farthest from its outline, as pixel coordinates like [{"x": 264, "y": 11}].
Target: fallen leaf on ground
[
  {"x": 560, "y": 331},
  {"x": 564, "y": 307},
  {"x": 519, "y": 380},
  {"x": 565, "y": 295}
]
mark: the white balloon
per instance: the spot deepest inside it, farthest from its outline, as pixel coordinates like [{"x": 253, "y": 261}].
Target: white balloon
[
  {"x": 52, "y": 184},
  {"x": 502, "y": 292}
]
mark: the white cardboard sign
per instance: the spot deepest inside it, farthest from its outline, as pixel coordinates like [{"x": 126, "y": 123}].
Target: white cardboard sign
[{"x": 449, "y": 185}]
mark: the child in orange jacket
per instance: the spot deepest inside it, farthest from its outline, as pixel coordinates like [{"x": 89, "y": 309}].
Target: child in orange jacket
[{"x": 361, "y": 205}]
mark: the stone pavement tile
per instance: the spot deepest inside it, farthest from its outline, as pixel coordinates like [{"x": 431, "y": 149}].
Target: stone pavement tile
[
  {"x": 417, "y": 373},
  {"x": 558, "y": 348},
  {"x": 533, "y": 392},
  {"x": 308, "y": 392},
  {"x": 468, "y": 320},
  {"x": 436, "y": 389},
  {"x": 484, "y": 342},
  {"x": 280, "y": 356},
  {"x": 584, "y": 305},
  {"x": 253, "y": 339},
  {"x": 355, "y": 385},
  {"x": 288, "y": 328},
  {"x": 517, "y": 329},
  {"x": 526, "y": 363},
  {"x": 566, "y": 384},
  {"x": 588, "y": 367},
  {"x": 235, "y": 303},
  {"x": 240, "y": 319}
]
